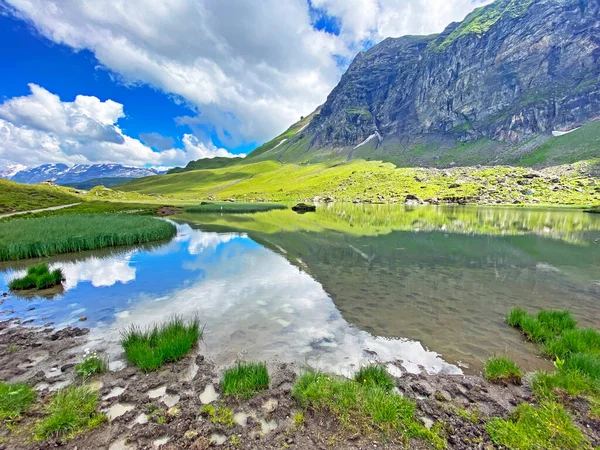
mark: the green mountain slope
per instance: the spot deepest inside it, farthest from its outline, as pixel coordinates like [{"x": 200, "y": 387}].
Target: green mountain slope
[{"x": 16, "y": 197}]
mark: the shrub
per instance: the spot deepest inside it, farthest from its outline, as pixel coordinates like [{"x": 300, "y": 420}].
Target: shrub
[
  {"x": 38, "y": 277},
  {"x": 376, "y": 375},
  {"x": 502, "y": 371},
  {"x": 245, "y": 379},
  {"x": 70, "y": 411},
  {"x": 151, "y": 348},
  {"x": 14, "y": 400},
  {"x": 91, "y": 365},
  {"x": 530, "y": 428},
  {"x": 362, "y": 407},
  {"x": 51, "y": 235}
]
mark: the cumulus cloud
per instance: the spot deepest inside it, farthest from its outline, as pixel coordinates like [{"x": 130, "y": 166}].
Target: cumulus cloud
[{"x": 40, "y": 128}]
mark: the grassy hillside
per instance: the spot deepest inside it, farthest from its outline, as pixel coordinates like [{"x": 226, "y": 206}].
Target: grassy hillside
[
  {"x": 374, "y": 181},
  {"x": 207, "y": 163},
  {"x": 16, "y": 197}
]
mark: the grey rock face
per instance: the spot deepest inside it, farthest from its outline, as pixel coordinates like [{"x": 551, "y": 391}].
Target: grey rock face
[{"x": 534, "y": 70}]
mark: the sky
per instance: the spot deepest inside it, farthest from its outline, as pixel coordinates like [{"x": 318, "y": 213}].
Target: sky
[{"x": 157, "y": 83}]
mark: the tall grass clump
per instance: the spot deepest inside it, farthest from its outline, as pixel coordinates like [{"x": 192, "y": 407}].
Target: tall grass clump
[
  {"x": 245, "y": 379},
  {"x": 150, "y": 348},
  {"x": 376, "y": 375},
  {"x": 530, "y": 427},
  {"x": 70, "y": 412},
  {"x": 51, "y": 235},
  {"x": 233, "y": 208},
  {"x": 363, "y": 407},
  {"x": 576, "y": 353},
  {"x": 501, "y": 370},
  {"x": 38, "y": 277},
  {"x": 14, "y": 400}
]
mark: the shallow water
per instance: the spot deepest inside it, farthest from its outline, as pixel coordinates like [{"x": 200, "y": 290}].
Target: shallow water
[{"x": 423, "y": 287}]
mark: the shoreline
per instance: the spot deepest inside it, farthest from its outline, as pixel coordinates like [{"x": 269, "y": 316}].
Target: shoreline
[{"x": 45, "y": 357}]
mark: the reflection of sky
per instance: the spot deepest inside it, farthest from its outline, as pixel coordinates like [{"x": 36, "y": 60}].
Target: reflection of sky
[{"x": 254, "y": 303}]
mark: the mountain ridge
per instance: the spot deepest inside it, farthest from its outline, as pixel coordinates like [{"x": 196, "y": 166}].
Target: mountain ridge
[
  {"x": 494, "y": 87},
  {"x": 63, "y": 174}
]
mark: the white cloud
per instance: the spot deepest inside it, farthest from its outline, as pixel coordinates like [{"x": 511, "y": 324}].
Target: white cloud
[{"x": 40, "y": 128}]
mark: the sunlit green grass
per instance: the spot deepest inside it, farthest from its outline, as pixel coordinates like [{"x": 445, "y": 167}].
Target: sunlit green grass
[
  {"x": 37, "y": 277},
  {"x": 376, "y": 375},
  {"x": 530, "y": 427},
  {"x": 14, "y": 400},
  {"x": 245, "y": 379},
  {"x": 501, "y": 370},
  {"x": 363, "y": 407},
  {"x": 70, "y": 411},
  {"x": 25, "y": 197},
  {"x": 46, "y": 236},
  {"x": 150, "y": 348}
]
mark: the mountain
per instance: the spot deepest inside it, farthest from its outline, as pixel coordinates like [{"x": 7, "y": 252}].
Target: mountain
[
  {"x": 207, "y": 163},
  {"x": 10, "y": 170},
  {"x": 492, "y": 89},
  {"x": 63, "y": 174},
  {"x": 107, "y": 182}
]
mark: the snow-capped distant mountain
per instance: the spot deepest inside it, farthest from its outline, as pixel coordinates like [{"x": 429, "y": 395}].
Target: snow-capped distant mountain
[
  {"x": 63, "y": 174},
  {"x": 11, "y": 170}
]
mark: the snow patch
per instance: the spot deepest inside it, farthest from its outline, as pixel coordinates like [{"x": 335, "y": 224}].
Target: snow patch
[
  {"x": 562, "y": 133},
  {"x": 370, "y": 138}
]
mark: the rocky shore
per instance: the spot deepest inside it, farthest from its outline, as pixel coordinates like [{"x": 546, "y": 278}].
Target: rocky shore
[{"x": 162, "y": 409}]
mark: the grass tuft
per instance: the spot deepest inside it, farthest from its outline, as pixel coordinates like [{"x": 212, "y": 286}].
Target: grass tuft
[
  {"x": 529, "y": 428},
  {"x": 38, "y": 277},
  {"x": 151, "y": 348},
  {"x": 502, "y": 370},
  {"x": 90, "y": 365},
  {"x": 219, "y": 415},
  {"x": 14, "y": 400},
  {"x": 245, "y": 379},
  {"x": 70, "y": 412},
  {"x": 375, "y": 375},
  {"x": 51, "y": 235},
  {"x": 362, "y": 407},
  {"x": 581, "y": 340}
]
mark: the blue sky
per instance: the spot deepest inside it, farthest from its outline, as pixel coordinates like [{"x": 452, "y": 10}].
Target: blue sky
[{"x": 149, "y": 83}]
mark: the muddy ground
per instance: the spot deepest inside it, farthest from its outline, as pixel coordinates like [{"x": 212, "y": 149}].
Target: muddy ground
[{"x": 163, "y": 409}]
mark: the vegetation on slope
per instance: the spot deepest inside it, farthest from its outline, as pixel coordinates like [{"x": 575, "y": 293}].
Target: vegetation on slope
[
  {"x": 375, "y": 182},
  {"x": 107, "y": 182},
  {"x": 207, "y": 163},
  {"x": 16, "y": 197},
  {"x": 46, "y": 236},
  {"x": 232, "y": 208},
  {"x": 483, "y": 18}
]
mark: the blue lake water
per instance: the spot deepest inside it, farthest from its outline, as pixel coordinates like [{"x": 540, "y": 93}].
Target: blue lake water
[{"x": 280, "y": 287}]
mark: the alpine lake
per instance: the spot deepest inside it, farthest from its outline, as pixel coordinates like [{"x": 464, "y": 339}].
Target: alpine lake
[{"x": 424, "y": 288}]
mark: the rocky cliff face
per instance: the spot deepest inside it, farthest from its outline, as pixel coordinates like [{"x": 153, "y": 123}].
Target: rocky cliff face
[{"x": 510, "y": 71}]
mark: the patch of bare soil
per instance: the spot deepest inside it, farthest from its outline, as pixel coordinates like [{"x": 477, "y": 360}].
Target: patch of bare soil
[{"x": 163, "y": 409}]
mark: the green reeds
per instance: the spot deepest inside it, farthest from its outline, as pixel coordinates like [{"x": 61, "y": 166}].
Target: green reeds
[
  {"x": 46, "y": 236},
  {"x": 70, "y": 411},
  {"x": 15, "y": 399},
  {"x": 151, "y": 348},
  {"x": 501, "y": 370},
  {"x": 245, "y": 379},
  {"x": 38, "y": 277}
]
